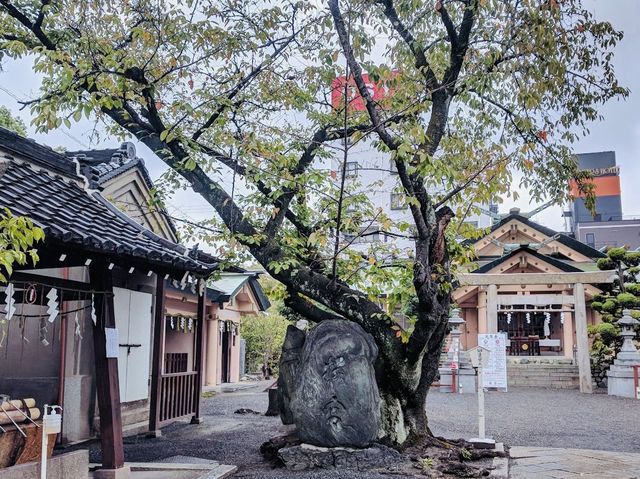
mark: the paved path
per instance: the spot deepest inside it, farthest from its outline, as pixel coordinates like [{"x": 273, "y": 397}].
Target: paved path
[
  {"x": 551, "y": 463},
  {"x": 541, "y": 417}
]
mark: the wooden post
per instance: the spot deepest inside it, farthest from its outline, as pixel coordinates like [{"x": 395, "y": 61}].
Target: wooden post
[
  {"x": 199, "y": 356},
  {"x": 157, "y": 365},
  {"x": 107, "y": 384},
  {"x": 582, "y": 339},
  {"x": 482, "y": 311},
  {"x": 567, "y": 334},
  {"x": 492, "y": 308}
]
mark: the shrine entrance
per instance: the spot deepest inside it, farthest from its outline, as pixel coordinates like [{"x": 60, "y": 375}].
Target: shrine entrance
[
  {"x": 537, "y": 333},
  {"x": 536, "y": 322}
]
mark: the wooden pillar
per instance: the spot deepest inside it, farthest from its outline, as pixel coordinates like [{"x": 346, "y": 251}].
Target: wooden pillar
[
  {"x": 492, "y": 308},
  {"x": 157, "y": 365},
  {"x": 212, "y": 353},
  {"x": 482, "y": 312},
  {"x": 107, "y": 385},
  {"x": 200, "y": 345},
  {"x": 582, "y": 338},
  {"x": 567, "y": 334}
]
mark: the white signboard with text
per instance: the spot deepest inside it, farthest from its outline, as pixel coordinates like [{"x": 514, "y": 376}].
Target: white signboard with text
[{"x": 494, "y": 374}]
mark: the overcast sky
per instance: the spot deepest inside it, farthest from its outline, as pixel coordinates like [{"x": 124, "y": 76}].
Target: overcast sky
[{"x": 619, "y": 131}]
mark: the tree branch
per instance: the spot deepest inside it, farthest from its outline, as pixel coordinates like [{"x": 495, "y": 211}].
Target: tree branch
[
  {"x": 306, "y": 308},
  {"x": 389, "y": 140},
  {"x": 34, "y": 28},
  {"x": 238, "y": 88},
  {"x": 448, "y": 25},
  {"x": 421, "y": 62}
]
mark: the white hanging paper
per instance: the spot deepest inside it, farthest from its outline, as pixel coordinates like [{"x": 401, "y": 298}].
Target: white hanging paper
[
  {"x": 43, "y": 332},
  {"x": 547, "y": 330},
  {"x": 93, "y": 311},
  {"x": 77, "y": 330},
  {"x": 52, "y": 304},
  {"x": 10, "y": 302},
  {"x": 113, "y": 342}
]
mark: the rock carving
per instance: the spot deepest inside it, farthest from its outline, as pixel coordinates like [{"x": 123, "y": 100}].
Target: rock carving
[{"x": 335, "y": 401}]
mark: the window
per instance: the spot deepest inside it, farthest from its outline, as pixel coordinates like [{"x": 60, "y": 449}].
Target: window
[
  {"x": 397, "y": 201},
  {"x": 370, "y": 235},
  {"x": 591, "y": 240},
  {"x": 473, "y": 224},
  {"x": 351, "y": 169}
]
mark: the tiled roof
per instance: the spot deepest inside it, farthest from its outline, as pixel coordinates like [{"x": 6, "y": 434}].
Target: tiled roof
[
  {"x": 566, "y": 240},
  {"x": 561, "y": 265},
  {"x": 227, "y": 286},
  {"x": 46, "y": 188},
  {"x": 99, "y": 166}
]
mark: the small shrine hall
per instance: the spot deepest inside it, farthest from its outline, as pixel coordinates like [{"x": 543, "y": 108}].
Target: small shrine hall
[{"x": 536, "y": 285}]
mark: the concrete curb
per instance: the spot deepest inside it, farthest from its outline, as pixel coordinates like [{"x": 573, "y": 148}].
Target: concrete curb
[
  {"x": 501, "y": 468},
  {"x": 205, "y": 471},
  {"x": 235, "y": 387}
]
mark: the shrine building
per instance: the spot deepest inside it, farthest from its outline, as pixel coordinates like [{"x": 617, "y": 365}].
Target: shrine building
[{"x": 536, "y": 285}]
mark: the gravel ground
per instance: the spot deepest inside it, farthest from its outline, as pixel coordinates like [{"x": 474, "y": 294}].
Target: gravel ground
[
  {"x": 523, "y": 417},
  {"x": 542, "y": 417}
]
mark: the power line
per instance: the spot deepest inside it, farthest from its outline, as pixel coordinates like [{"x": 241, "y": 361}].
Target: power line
[{"x": 66, "y": 133}]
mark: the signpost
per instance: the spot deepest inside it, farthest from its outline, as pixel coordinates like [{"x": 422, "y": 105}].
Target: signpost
[
  {"x": 489, "y": 358},
  {"x": 51, "y": 424},
  {"x": 480, "y": 357}
]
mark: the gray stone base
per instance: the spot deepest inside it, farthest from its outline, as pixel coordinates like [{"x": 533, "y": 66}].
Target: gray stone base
[
  {"x": 64, "y": 466},
  {"x": 121, "y": 473},
  {"x": 306, "y": 456},
  {"x": 620, "y": 382},
  {"x": 465, "y": 381},
  {"x": 486, "y": 443}
]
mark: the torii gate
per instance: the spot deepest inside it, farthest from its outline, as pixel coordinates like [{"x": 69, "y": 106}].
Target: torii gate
[{"x": 577, "y": 279}]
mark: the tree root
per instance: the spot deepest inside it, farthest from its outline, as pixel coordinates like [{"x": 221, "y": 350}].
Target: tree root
[{"x": 429, "y": 456}]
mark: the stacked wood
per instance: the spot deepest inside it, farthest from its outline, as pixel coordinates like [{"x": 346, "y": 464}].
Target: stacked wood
[{"x": 15, "y": 410}]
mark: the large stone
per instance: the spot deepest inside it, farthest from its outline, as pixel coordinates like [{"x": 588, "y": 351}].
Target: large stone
[
  {"x": 335, "y": 401},
  {"x": 289, "y": 360},
  {"x": 306, "y": 456}
]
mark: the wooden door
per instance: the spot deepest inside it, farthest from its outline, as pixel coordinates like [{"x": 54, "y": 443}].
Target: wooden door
[
  {"x": 133, "y": 320},
  {"x": 225, "y": 353}
]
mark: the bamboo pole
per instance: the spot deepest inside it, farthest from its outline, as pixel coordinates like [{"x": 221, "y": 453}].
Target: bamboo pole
[{"x": 10, "y": 417}]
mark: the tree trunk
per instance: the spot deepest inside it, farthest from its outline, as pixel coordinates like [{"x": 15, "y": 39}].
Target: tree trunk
[{"x": 404, "y": 416}]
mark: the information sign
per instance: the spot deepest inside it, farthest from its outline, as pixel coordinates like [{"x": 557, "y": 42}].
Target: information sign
[{"x": 494, "y": 374}]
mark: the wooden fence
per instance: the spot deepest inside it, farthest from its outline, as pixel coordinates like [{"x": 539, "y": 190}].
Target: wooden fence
[{"x": 178, "y": 396}]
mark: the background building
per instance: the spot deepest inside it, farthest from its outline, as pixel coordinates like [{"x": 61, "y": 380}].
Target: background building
[
  {"x": 373, "y": 173},
  {"x": 609, "y": 227}
]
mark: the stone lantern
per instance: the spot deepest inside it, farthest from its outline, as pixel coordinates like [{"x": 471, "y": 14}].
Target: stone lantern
[
  {"x": 621, "y": 374},
  {"x": 457, "y": 363}
]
